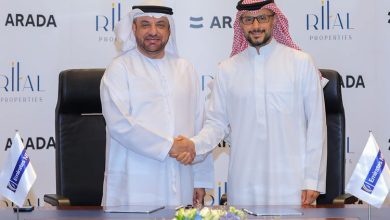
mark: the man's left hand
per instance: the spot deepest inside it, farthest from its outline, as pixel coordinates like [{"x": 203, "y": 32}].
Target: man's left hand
[{"x": 309, "y": 196}]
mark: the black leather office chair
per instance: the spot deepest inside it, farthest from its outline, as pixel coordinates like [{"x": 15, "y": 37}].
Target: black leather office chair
[
  {"x": 335, "y": 119},
  {"x": 80, "y": 139}
]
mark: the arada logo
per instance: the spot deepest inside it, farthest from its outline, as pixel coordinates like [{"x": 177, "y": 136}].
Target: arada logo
[
  {"x": 350, "y": 81},
  {"x": 33, "y": 143},
  {"x": 195, "y": 22},
  {"x": 107, "y": 22},
  {"x": 217, "y": 22},
  {"x": 328, "y": 19},
  {"x": 30, "y": 20}
]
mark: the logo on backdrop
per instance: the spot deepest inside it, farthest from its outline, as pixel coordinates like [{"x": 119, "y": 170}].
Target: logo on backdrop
[
  {"x": 19, "y": 86},
  {"x": 205, "y": 80},
  {"x": 329, "y": 24},
  {"x": 196, "y": 22},
  {"x": 30, "y": 20},
  {"x": 350, "y": 81},
  {"x": 389, "y": 16},
  {"x": 216, "y": 22},
  {"x": 105, "y": 23},
  {"x": 33, "y": 143}
]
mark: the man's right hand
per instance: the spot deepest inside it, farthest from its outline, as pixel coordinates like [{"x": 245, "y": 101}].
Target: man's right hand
[
  {"x": 183, "y": 149},
  {"x": 309, "y": 196}
]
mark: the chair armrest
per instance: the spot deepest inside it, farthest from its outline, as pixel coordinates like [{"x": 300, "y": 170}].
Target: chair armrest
[
  {"x": 56, "y": 200},
  {"x": 345, "y": 199}
]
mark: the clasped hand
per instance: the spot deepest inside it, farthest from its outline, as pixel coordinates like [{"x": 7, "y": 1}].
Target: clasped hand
[{"x": 183, "y": 149}]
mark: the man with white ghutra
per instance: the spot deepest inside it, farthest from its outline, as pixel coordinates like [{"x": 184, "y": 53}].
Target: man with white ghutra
[{"x": 149, "y": 96}]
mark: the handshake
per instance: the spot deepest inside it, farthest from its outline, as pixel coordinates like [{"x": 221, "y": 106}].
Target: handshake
[{"x": 183, "y": 149}]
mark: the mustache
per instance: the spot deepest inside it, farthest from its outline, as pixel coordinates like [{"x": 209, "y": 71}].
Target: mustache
[
  {"x": 152, "y": 37},
  {"x": 255, "y": 31}
]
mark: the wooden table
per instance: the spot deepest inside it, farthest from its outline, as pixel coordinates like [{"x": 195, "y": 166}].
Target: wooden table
[{"x": 331, "y": 212}]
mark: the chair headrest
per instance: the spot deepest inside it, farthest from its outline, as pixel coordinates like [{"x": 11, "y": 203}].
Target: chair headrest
[
  {"x": 79, "y": 91},
  {"x": 332, "y": 91}
]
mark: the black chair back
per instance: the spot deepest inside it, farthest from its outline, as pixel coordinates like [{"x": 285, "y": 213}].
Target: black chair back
[
  {"x": 80, "y": 137},
  {"x": 335, "y": 120}
]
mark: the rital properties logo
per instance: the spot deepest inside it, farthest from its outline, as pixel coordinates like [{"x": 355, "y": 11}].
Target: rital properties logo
[
  {"x": 105, "y": 23},
  {"x": 19, "y": 85},
  {"x": 329, "y": 24}
]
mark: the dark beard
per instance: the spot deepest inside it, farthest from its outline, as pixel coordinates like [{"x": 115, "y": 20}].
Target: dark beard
[{"x": 253, "y": 43}]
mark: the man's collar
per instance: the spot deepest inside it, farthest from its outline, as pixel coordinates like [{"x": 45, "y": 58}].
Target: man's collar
[{"x": 264, "y": 50}]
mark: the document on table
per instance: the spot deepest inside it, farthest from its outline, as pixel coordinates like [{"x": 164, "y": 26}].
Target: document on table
[
  {"x": 272, "y": 211},
  {"x": 146, "y": 209}
]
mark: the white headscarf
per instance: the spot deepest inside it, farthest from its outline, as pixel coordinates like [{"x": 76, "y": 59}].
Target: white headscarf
[{"x": 125, "y": 38}]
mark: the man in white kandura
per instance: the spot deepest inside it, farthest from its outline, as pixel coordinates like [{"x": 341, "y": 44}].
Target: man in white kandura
[
  {"x": 149, "y": 95},
  {"x": 268, "y": 97}
]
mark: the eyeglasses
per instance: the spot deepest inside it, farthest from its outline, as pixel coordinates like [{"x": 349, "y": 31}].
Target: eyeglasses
[{"x": 247, "y": 20}]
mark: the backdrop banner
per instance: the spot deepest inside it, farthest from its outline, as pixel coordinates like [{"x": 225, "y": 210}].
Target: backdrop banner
[{"x": 40, "y": 38}]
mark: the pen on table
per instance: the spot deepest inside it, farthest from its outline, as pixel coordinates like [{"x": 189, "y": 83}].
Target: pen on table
[
  {"x": 179, "y": 207},
  {"x": 249, "y": 212}
]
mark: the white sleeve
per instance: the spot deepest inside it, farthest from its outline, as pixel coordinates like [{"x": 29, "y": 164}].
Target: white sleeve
[
  {"x": 204, "y": 173},
  {"x": 121, "y": 126},
  {"x": 316, "y": 143},
  {"x": 216, "y": 123},
  {"x": 203, "y": 165}
]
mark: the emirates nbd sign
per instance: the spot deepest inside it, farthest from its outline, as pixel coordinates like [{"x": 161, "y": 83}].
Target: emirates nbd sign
[{"x": 374, "y": 174}]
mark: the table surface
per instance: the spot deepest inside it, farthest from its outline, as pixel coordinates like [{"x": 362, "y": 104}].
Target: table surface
[{"x": 332, "y": 212}]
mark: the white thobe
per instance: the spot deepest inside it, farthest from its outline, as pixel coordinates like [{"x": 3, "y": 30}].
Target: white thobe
[
  {"x": 272, "y": 104},
  {"x": 146, "y": 102}
]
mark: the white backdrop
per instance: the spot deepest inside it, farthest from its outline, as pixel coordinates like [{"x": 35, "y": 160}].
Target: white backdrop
[{"x": 39, "y": 38}]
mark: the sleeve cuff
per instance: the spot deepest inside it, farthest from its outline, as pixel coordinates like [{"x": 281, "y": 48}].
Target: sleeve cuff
[
  {"x": 198, "y": 149},
  {"x": 164, "y": 152},
  {"x": 206, "y": 185},
  {"x": 314, "y": 185}
]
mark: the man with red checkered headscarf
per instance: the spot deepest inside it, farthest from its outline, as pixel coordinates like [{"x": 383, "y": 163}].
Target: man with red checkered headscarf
[{"x": 268, "y": 98}]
